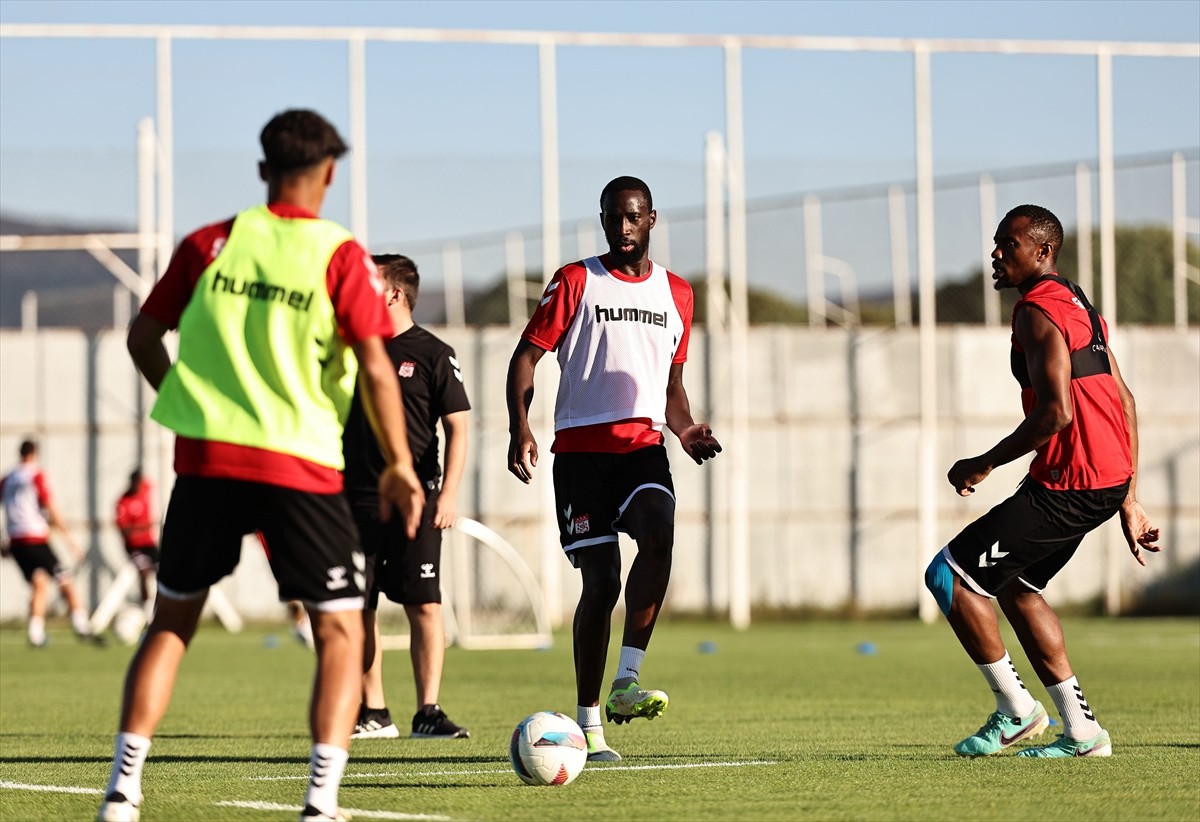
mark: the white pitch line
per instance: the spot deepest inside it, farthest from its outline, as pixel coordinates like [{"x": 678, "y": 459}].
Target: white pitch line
[
  {"x": 21, "y": 786},
  {"x": 355, "y": 813},
  {"x": 755, "y": 762}
]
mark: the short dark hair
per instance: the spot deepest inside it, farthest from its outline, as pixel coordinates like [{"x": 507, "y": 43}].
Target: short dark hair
[
  {"x": 399, "y": 272},
  {"x": 28, "y": 448},
  {"x": 627, "y": 183},
  {"x": 1044, "y": 227},
  {"x": 298, "y": 139}
]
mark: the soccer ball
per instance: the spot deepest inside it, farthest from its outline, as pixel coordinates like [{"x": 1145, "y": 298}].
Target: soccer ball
[
  {"x": 129, "y": 623},
  {"x": 547, "y": 748}
]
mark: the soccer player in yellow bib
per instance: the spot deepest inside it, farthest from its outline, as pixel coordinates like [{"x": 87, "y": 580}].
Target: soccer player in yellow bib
[{"x": 277, "y": 310}]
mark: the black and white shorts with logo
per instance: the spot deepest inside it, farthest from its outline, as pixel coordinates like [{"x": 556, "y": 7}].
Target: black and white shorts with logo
[
  {"x": 1029, "y": 537},
  {"x": 32, "y": 557},
  {"x": 406, "y": 572},
  {"x": 592, "y": 491},
  {"x": 310, "y": 541}
]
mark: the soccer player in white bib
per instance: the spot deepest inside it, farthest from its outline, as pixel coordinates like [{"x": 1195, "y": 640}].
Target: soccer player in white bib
[{"x": 620, "y": 325}]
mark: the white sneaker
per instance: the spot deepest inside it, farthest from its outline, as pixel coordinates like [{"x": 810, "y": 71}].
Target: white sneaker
[
  {"x": 116, "y": 808},
  {"x": 375, "y": 725}
]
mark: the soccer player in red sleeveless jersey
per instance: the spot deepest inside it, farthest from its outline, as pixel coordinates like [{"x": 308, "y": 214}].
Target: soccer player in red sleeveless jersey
[
  {"x": 271, "y": 306},
  {"x": 30, "y": 513},
  {"x": 620, "y": 325},
  {"x": 135, "y": 519},
  {"x": 1081, "y": 421}
]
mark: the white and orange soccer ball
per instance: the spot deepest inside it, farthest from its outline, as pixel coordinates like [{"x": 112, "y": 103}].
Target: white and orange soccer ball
[{"x": 547, "y": 748}]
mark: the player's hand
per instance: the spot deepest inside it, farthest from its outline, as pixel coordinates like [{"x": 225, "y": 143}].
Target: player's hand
[
  {"x": 446, "y": 512},
  {"x": 964, "y": 475},
  {"x": 522, "y": 455},
  {"x": 399, "y": 485},
  {"x": 699, "y": 443},
  {"x": 1139, "y": 533}
]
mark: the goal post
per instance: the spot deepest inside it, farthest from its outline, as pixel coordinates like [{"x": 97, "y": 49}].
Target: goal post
[{"x": 490, "y": 598}]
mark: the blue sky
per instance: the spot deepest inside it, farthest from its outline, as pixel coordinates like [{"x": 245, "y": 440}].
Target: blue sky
[{"x": 453, "y": 131}]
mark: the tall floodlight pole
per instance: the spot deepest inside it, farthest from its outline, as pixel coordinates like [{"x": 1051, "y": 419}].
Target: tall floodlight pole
[
  {"x": 926, "y": 335},
  {"x": 166, "y": 153},
  {"x": 739, "y": 321},
  {"x": 898, "y": 232},
  {"x": 146, "y": 155},
  {"x": 987, "y": 220},
  {"x": 716, "y": 304},
  {"x": 1179, "y": 235},
  {"x": 551, "y": 252},
  {"x": 1083, "y": 227},
  {"x": 164, "y": 117},
  {"x": 548, "y": 83},
  {"x": 1108, "y": 219},
  {"x": 358, "y": 137},
  {"x": 714, "y": 229}
]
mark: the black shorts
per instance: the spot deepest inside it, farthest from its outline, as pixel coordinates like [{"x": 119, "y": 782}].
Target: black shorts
[
  {"x": 592, "y": 491},
  {"x": 406, "y": 571},
  {"x": 311, "y": 540},
  {"x": 144, "y": 558},
  {"x": 1030, "y": 536},
  {"x": 37, "y": 556}
]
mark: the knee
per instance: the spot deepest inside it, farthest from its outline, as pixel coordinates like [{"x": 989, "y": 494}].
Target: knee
[
  {"x": 602, "y": 590},
  {"x": 657, "y": 541},
  {"x": 939, "y": 579}
]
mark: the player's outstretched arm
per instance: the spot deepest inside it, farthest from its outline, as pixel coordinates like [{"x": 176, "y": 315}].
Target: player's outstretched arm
[
  {"x": 522, "y": 447},
  {"x": 1135, "y": 525},
  {"x": 384, "y": 407},
  {"x": 696, "y": 437}
]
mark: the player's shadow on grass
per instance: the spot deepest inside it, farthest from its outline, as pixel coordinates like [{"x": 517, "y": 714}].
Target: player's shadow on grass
[{"x": 400, "y": 759}]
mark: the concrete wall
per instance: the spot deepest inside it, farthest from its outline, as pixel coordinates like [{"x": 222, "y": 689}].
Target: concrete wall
[{"x": 832, "y": 460}]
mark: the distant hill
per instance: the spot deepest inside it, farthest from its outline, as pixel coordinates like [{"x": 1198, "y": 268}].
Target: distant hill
[{"x": 75, "y": 291}]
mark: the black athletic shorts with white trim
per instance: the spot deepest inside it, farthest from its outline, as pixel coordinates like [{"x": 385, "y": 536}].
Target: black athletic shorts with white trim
[
  {"x": 406, "y": 572},
  {"x": 310, "y": 539},
  {"x": 592, "y": 491},
  {"x": 1030, "y": 536},
  {"x": 32, "y": 557}
]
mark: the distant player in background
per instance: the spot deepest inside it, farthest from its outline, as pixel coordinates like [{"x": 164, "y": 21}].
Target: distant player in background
[
  {"x": 29, "y": 514},
  {"x": 620, "y": 324},
  {"x": 135, "y": 518},
  {"x": 408, "y": 571},
  {"x": 276, "y": 310},
  {"x": 1081, "y": 421}
]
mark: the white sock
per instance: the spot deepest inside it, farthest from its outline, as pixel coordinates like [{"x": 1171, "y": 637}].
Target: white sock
[
  {"x": 588, "y": 717},
  {"x": 326, "y": 766},
  {"x": 1012, "y": 697},
  {"x": 37, "y": 630},
  {"x": 630, "y": 664},
  {"x": 1078, "y": 720},
  {"x": 80, "y": 622},
  {"x": 128, "y": 758}
]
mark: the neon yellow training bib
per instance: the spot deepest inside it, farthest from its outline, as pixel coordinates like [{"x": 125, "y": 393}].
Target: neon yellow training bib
[{"x": 260, "y": 361}]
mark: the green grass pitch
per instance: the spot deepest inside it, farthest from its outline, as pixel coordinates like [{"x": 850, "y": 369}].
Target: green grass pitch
[{"x": 788, "y": 721}]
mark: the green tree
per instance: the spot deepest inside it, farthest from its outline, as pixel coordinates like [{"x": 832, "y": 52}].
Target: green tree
[{"x": 1145, "y": 266}]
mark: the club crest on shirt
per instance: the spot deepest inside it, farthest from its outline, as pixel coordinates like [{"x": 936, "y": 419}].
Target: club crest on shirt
[{"x": 407, "y": 368}]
